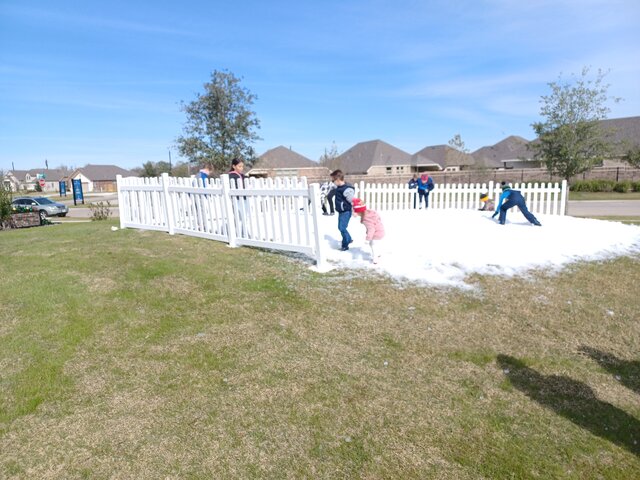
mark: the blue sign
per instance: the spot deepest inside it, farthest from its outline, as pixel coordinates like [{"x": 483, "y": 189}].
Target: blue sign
[
  {"x": 77, "y": 191},
  {"x": 63, "y": 188}
]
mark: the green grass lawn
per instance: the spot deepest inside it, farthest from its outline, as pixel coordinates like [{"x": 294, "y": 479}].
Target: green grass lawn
[
  {"x": 604, "y": 196},
  {"x": 136, "y": 354}
]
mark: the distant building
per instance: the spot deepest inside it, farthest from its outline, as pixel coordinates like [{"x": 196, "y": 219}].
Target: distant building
[
  {"x": 99, "y": 178},
  {"x": 512, "y": 152},
  {"x": 447, "y": 158},
  {"x": 284, "y": 162},
  {"x": 376, "y": 158},
  {"x": 26, "y": 180}
]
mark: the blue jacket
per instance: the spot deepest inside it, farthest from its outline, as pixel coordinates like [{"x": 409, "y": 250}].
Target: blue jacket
[
  {"x": 343, "y": 197},
  {"x": 507, "y": 194},
  {"x": 428, "y": 185},
  {"x": 413, "y": 183}
]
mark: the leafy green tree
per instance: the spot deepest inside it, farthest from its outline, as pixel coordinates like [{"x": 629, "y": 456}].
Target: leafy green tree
[
  {"x": 632, "y": 157},
  {"x": 153, "y": 169},
  {"x": 220, "y": 124},
  {"x": 570, "y": 138}
]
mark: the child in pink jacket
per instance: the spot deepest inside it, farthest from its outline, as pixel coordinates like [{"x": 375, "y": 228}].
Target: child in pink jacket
[{"x": 372, "y": 222}]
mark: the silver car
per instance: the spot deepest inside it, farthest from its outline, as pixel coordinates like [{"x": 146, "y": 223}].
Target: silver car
[{"x": 42, "y": 205}]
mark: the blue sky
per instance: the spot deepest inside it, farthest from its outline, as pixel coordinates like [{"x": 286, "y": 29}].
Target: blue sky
[{"x": 101, "y": 82}]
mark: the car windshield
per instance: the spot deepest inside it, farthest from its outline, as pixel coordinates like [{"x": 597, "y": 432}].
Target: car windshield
[{"x": 43, "y": 201}]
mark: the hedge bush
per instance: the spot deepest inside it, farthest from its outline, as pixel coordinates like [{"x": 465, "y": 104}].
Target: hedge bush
[{"x": 605, "y": 186}]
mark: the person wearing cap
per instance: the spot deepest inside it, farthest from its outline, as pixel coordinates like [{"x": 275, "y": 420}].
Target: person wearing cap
[
  {"x": 342, "y": 199},
  {"x": 373, "y": 223},
  {"x": 509, "y": 199},
  {"x": 487, "y": 203},
  {"x": 425, "y": 185}
]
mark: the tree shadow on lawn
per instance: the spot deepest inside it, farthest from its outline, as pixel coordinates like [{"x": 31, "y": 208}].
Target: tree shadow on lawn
[
  {"x": 576, "y": 401},
  {"x": 627, "y": 372}
]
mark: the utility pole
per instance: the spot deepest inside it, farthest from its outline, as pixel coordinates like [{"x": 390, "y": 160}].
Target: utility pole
[{"x": 169, "y": 150}]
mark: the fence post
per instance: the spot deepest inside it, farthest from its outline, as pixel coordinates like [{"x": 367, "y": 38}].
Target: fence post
[
  {"x": 121, "y": 205},
  {"x": 314, "y": 195},
  {"x": 228, "y": 210},
  {"x": 168, "y": 204},
  {"x": 564, "y": 198}
]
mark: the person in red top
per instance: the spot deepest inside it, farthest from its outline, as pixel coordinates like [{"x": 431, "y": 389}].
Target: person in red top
[{"x": 373, "y": 223}]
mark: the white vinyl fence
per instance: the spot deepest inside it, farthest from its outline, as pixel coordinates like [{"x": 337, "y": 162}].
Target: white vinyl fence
[
  {"x": 266, "y": 213},
  {"x": 541, "y": 198},
  {"x": 282, "y": 214}
]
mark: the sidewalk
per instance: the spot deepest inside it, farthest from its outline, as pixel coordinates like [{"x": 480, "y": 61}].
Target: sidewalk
[{"x": 604, "y": 208}]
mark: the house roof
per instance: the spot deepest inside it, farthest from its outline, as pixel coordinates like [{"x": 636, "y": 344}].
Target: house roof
[
  {"x": 362, "y": 156},
  {"x": 97, "y": 173},
  {"x": 625, "y": 132},
  {"x": 282, "y": 157},
  {"x": 445, "y": 156},
  {"x": 419, "y": 160},
  {"x": 511, "y": 148},
  {"x": 51, "y": 175}
]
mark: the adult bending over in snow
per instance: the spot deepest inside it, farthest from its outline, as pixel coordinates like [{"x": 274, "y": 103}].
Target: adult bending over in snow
[{"x": 512, "y": 198}]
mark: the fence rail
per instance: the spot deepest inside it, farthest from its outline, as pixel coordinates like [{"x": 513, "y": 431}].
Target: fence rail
[
  {"x": 542, "y": 198},
  {"x": 275, "y": 214}
]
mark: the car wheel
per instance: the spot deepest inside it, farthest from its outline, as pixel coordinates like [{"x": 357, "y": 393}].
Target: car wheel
[
  {"x": 43, "y": 215},
  {"x": 63, "y": 215}
]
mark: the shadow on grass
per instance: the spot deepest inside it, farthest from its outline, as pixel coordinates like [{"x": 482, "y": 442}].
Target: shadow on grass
[
  {"x": 575, "y": 401},
  {"x": 627, "y": 372}
]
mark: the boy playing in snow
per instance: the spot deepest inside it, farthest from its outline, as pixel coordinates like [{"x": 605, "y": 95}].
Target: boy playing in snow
[
  {"x": 512, "y": 198},
  {"x": 372, "y": 222},
  {"x": 342, "y": 198}
]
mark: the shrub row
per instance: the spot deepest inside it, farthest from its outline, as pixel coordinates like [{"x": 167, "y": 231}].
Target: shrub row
[{"x": 605, "y": 186}]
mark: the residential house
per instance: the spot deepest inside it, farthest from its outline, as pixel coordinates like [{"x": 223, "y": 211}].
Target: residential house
[
  {"x": 99, "y": 178},
  {"x": 512, "y": 152},
  {"x": 284, "y": 162},
  {"x": 447, "y": 158},
  {"x": 375, "y": 158},
  {"x": 624, "y": 134},
  {"x": 26, "y": 180}
]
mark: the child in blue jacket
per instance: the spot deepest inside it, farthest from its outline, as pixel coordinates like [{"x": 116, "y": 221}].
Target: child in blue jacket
[
  {"x": 425, "y": 185},
  {"x": 512, "y": 198}
]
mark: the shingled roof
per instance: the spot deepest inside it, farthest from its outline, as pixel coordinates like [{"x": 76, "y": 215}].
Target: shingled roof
[
  {"x": 364, "y": 155},
  {"x": 445, "y": 156},
  {"x": 510, "y": 149},
  {"x": 283, "y": 157},
  {"x": 625, "y": 132},
  {"x": 98, "y": 173}
]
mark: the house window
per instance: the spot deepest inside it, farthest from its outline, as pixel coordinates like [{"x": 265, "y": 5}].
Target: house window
[{"x": 389, "y": 171}]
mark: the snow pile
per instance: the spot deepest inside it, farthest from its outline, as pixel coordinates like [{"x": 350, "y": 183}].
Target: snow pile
[{"x": 444, "y": 246}]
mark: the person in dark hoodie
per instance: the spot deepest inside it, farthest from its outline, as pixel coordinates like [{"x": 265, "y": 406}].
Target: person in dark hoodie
[
  {"x": 509, "y": 199},
  {"x": 342, "y": 199}
]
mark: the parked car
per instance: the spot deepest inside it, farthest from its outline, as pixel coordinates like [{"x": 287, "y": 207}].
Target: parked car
[{"x": 42, "y": 205}]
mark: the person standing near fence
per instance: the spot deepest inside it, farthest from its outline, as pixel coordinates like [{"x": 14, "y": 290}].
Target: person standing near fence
[
  {"x": 241, "y": 205},
  {"x": 343, "y": 197},
  {"x": 236, "y": 173},
  {"x": 512, "y": 198},
  {"x": 413, "y": 184},
  {"x": 204, "y": 174},
  {"x": 425, "y": 185},
  {"x": 327, "y": 192}
]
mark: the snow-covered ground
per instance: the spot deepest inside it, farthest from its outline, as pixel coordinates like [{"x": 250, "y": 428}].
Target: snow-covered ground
[{"x": 444, "y": 246}]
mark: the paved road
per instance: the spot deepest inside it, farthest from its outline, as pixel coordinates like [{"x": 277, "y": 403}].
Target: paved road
[{"x": 604, "y": 208}]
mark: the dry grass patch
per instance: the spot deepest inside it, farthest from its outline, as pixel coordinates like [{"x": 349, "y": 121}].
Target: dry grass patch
[{"x": 209, "y": 362}]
